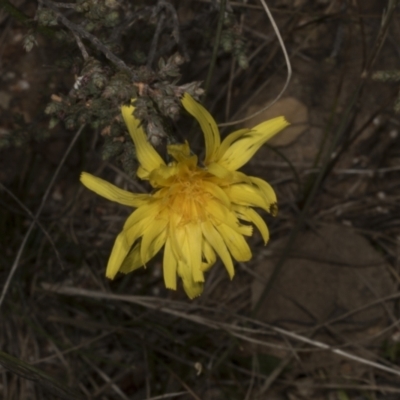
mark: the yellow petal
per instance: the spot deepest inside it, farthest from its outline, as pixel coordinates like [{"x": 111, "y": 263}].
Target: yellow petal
[
  {"x": 137, "y": 230},
  {"x": 192, "y": 288},
  {"x": 209, "y": 256},
  {"x": 249, "y": 195},
  {"x": 142, "y": 173},
  {"x": 162, "y": 176},
  {"x": 207, "y": 124},
  {"x": 231, "y": 138},
  {"x": 248, "y": 214},
  {"x": 244, "y": 144},
  {"x": 111, "y": 192},
  {"x": 219, "y": 171},
  {"x": 170, "y": 264},
  {"x": 217, "y": 193},
  {"x": 176, "y": 235},
  {"x": 227, "y": 177},
  {"x": 129, "y": 266},
  {"x": 217, "y": 243},
  {"x": 179, "y": 151},
  {"x": 152, "y": 232},
  {"x": 189, "y": 262},
  {"x": 193, "y": 248},
  {"x": 135, "y": 226},
  {"x": 236, "y": 243},
  {"x": 222, "y": 214},
  {"x": 118, "y": 254},
  {"x": 147, "y": 156},
  {"x": 145, "y": 211},
  {"x": 265, "y": 188},
  {"x": 134, "y": 259}
]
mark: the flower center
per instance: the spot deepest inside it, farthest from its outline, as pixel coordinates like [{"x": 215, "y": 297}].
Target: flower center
[{"x": 187, "y": 197}]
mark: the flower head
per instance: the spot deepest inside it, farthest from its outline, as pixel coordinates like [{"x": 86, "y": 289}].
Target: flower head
[{"x": 195, "y": 212}]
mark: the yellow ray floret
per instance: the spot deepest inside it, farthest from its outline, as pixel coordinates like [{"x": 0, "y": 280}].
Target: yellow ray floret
[{"x": 195, "y": 213}]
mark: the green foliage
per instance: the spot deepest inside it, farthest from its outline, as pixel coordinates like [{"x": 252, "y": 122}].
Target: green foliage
[
  {"x": 29, "y": 41},
  {"x": 232, "y": 41},
  {"x": 46, "y": 17},
  {"x": 98, "y": 14}
]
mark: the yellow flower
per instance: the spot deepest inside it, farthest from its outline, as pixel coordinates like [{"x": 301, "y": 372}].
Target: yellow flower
[{"x": 195, "y": 211}]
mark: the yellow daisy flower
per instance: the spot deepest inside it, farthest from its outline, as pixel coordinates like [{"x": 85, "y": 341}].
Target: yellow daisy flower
[{"x": 195, "y": 211}]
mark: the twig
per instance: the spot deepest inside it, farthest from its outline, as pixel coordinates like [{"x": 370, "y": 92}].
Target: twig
[
  {"x": 154, "y": 42},
  {"x": 38, "y": 212},
  {"x": 182, "y": 382},
  {"x": 26, "y": 371},
  {"x": 288, "y": 66},
  {"x": 238, "y": 72},
  {"x": 387, "y": 17},
  {"x": 86, "y": 35},
  {"x": 74, "y": 348},
  {"x": 254, "y": 365},
  {"x": 216, "y": 47},
  {"x": 175, "y": 308},
  {"x": 22, "y": 205},
  {"x": 160, "y": 24},
  {"x": 175, "y": 20},
  {"x": 343, "y": 386},
  {"x": 229, "y": 93},
  {"x": 167, "y": 396},
  {"x": 106, "y": 379},
  {"x": 81, "y": 46}
]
